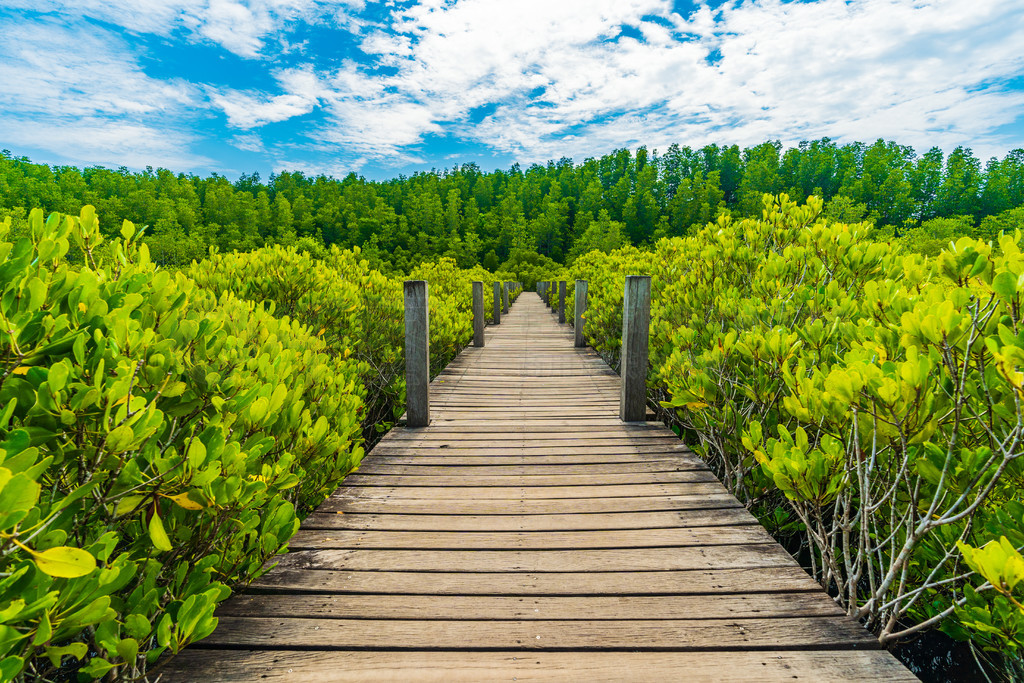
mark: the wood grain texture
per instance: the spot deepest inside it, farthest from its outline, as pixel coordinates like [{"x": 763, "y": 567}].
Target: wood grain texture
[
  {"x": 417, "y": 353},
  {"x": 284, "y": 581},
  {"x": 583, "y": 635},
  {"x": 580, "y": 293},
  {"x": 478, "y": 314},
  {"x": 529, "y": 534},
  {"x": 595, "y": 667}
]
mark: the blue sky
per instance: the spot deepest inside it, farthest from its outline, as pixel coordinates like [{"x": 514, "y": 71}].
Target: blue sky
[{"x": 381, "y": 88}]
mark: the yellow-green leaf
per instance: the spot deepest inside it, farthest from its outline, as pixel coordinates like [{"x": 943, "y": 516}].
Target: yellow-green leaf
[
  {"x": 127, "y": 504},
  {"x": 65, "y": 562},
  {"x": 158, "y": 535},
  {"x": 182, "y": 500}
]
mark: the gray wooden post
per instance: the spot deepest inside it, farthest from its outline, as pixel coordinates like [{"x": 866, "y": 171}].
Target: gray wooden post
[
  {"x": 417, "y": 354},
  {"x": 561, "y": 301},
  {"x": 636, "y": 322},
  {"x": 497, "y": 303},
  {"x": 581, "y": 308},
  {"x": 504, "y": 297},
  {"x": 478, "y": 314}
]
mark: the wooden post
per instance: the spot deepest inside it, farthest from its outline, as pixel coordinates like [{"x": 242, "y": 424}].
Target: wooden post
[
  {"x": 561, "y": 301},
  {"x": 417, "y": 354},
  {"x": 478, "y": 314},
  {"x": 636, "y": 322},
  {"x": 497, "y": 303},
  {"x": 581, "y": 308},
  {"x": 504, "y": 297}
]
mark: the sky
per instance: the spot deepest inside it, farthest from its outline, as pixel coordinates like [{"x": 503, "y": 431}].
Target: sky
[{"x": 395, "y": 87}]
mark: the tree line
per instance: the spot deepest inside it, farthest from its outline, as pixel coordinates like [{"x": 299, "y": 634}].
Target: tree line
[{"x": 557, "y": 210}]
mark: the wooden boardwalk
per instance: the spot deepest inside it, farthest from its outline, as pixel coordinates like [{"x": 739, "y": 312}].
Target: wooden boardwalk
[{"x": 528, "y": 534}]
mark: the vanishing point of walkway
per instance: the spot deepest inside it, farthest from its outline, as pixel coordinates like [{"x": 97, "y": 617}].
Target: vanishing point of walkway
[{"x": 528, "y": 534}]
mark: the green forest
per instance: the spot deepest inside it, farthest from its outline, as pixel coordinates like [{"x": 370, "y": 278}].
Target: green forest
[
  {"x": 557, "y": 211},
  {"x": 188, "y": 366}
]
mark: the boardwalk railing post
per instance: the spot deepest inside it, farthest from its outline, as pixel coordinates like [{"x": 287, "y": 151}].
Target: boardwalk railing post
[
  {"x": 561, "y": 301},
  {"x": 478, "y": 314},
  {"x": 504, "y": 297},
  {"x": 636, "y": 322},
  {"x": 581, "y": 308},
  {"x": 417, "y": 354},
  {"x": 497, "y": 303}
]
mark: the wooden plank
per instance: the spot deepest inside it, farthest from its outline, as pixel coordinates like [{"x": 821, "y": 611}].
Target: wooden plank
[
  {"x": 622, "y": 583},
  {"x": 605, "y": 560},
  {"x": 620, "y": 450},
  {"x": 826, "y": 666},
  {"x": 637, "y": 462},
  {"x": 525, "y": 441},
  {"x": 538, "y": 479},
  {"x": 310, "y": 539},
  {"x": 410, "y": 466},
  {"x": 640, "y": 522},
  {"x": 540, "y": 430},
  {"x": 507, "y": 607},
  {"x": 349, "y": 502},
  {"x": 446, "y": 493},
  {"x": 677, "y": 635}
]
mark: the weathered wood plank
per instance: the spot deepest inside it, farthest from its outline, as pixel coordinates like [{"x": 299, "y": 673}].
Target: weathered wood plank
[
  {"x": 631, "y": 582},
  {"x": 695, "y": 634},
  {"x": 639, "y": 522},
  {"x": 632, "y": 450},
  {"x": 828, "y": 666},
  {"x": 444, "y": 493},
  {"x": 382, "y": 466},
  {"x": 348, "y": 502},
  {"x": 529, "y": 480},
  {"x": 636, "y": 462},
  {"x": 490, "y": 607},
  {"x": 310, "y": 539},
  {"x": 606, "y": 560}
]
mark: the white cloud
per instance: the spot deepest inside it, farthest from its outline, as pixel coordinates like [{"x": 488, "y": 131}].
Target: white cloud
[
  {"x": 240, "y": 26},
  {"x": 920, "y": 72},
  {"x": 91, "y": 104},
  {"x": 98, "y": 141},
  {"x": 248, "y": 142}
]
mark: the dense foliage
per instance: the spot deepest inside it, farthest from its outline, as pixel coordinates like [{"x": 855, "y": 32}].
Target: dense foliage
[
  {"x": 172, "y": 399},
  {"x": 160, "y": 433},
  {"x": 874, "y": 393},
  {"x": 560, "y": 210},
  {"x": 356, "y": 310}
]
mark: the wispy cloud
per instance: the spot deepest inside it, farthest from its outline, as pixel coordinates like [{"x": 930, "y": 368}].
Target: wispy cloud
[
  {"x": 239, "y": 26},
  {"x": 92, "y": 103}
]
